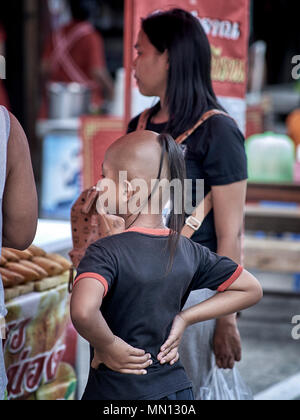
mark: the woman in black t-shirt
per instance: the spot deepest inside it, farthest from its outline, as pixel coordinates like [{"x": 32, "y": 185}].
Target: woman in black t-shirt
[{"x": 174, "y": 63}]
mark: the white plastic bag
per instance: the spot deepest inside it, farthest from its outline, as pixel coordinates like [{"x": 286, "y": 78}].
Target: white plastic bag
[
  {"x": 225, "y": 385},
  {"x": 197, "y": 356}
]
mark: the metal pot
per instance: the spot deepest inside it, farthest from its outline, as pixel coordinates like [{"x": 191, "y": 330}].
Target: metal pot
[{"x": 68, "y": 100}]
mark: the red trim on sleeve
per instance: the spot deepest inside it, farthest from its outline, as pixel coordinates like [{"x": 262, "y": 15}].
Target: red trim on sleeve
[
  {"x": 93, "y": 276},
  {"x": 224, "y": 286},
  {"x": 149, "y": 231}
]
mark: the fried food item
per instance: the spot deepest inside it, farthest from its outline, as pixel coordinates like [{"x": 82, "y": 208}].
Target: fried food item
[
  {"x": 11, "y": 293},
  {"x": 28, "y": 273},
  {"x": 66, "y": 265},
  {"x": 62, "y": 388},
  {"x": 9, "y": 255},
  {"x": 3, "y": 260},
  {"x": 42, "y": 273},
  {"x": 36, "y": 251},
  {"x": 11, "y": 276},
  {"x": 24, "y": 289},
  {"x": 6, "y": 282},
  {"x": 22, "y": 255},
  {"x": 52, "y": 267},
  {"x": 47, "y": 284}
]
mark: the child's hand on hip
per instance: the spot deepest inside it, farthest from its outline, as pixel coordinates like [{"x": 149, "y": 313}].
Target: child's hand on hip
[
  {"x": 169, "y": 350},
  {"x": 123, "y": 358}
]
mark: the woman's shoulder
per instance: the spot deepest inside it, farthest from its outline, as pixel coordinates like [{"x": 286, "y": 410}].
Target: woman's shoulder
[
  {"x": 222, "y": 123},
  {"x": 216, "y": 129}
]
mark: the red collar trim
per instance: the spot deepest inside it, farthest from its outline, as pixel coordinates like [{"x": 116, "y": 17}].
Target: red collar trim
[{"x": 147, "y": 231}]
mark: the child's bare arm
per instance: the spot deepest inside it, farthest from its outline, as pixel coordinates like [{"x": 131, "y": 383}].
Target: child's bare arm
[
  {"x": 117, "y": 355},
  {"x": 243, "y": 293},
  {"x": 85, "y": 304}
]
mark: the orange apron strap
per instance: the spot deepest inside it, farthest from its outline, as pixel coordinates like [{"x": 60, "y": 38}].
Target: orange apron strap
[
  {"x": 142, "y": 123},
  {"x": 194, "y": 222},
  {"x": 202, "y": 120}
]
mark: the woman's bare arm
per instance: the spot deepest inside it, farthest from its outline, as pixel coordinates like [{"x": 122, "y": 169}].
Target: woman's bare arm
[
  {"x": 229, "y": 204},
  {"x": 20, "y": 202}
]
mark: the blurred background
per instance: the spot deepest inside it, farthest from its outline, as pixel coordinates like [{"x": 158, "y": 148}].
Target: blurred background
[
  {"x": 52, "y": 109},
  {"x": 43, "y": 106}
]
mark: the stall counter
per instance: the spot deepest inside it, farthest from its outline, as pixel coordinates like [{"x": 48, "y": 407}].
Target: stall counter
[{"x": 40, "y": 342}]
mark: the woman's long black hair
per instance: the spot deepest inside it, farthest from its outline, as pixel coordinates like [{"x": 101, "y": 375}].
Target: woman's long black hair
[{"x": 189, "y": 92}]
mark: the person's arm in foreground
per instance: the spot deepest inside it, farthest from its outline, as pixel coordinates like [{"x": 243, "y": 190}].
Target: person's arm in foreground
[
  {"x": 110, "y": 350},
  {"x": 243, "y": 293},
  {"x": 229, "y": 203},
  {"x": 20, "y": 204}
]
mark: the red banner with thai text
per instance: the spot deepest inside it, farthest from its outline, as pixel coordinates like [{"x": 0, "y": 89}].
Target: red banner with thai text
[{"x": 226, "y": 24}]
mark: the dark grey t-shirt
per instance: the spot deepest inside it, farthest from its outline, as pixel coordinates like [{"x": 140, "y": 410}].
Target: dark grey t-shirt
[{"x": 142, "y": 300}]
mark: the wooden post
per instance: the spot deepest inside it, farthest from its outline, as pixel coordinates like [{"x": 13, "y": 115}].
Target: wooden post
[
  {"x": 128, "y": 56},
  {"x": 31, "y": 75}
]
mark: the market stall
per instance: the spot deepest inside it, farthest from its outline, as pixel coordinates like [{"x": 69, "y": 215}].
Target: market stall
[
  {"x": 40, "y": 342},
  {"x": 272, "y": 221}
]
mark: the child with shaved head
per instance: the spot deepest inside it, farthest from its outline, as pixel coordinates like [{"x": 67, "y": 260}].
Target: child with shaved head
[{"x": 141, "y": 278}]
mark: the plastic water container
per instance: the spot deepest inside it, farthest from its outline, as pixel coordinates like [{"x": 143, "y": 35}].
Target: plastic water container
[{"x": 271, "y": 158}]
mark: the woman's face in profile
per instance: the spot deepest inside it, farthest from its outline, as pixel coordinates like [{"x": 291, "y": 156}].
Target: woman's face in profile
[{"x": 151, "y": 67}]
